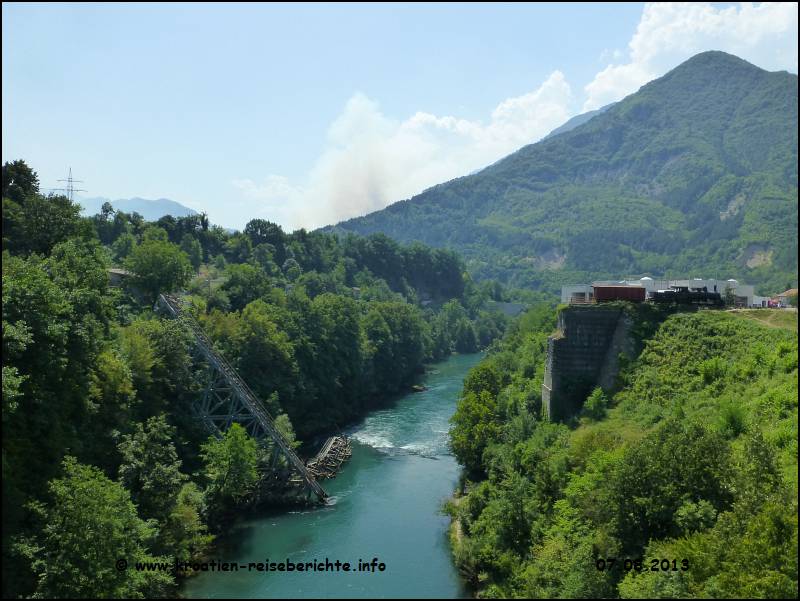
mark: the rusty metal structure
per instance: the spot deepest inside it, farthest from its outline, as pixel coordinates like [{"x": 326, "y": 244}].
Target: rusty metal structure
[
  {"x": 227, "y": 399},
  {"x": 634, "y": 294},
  {"x": 329, "y": 460}
]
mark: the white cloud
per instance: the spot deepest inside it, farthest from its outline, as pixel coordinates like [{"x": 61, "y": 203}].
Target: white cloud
[
  {"x": 371, "y": 160},
  {"x": 669, "y": 33},
  {"x": 275, "y": 188}
]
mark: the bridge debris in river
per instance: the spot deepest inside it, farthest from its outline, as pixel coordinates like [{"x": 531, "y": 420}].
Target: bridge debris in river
[{"x": 330, "y": 458}]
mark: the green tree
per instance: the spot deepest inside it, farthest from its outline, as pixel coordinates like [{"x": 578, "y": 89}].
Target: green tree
[
  {"x": 154, "y": 233},
  {"x": 106, "y": 224},
  {"x": 475, "y": 426},
  {"x": 159, "y": 267},
  {"x": 111, "y": 401},
  {"x": 157, "y": 351},
  {"x": 55, "y": 318},
  {"x": 464, "y": 336},
  {"x": 107, "y": 211},
  {"x": 230, "y": 467},
  {"x": 89, "y": 524},
  {"x": 245, "y": 284},
  {"x": 284, "y": 425},
  {"x": 13, "y": 220},
  {"x": 291, "y": 269},
  {"x": 184, "y": 534},
  {"x": 266, "y": 354},
  {"x": 315, "y": 284},
  {"x": 459, "y": 327},
  {"x": 238, "y": 249},
  {"x": 379, "y": 351},
  {"x": 193, "y": 250},
  {"x": 123, "y": 246},
  {"x": 260, "y": 231},
  {"x": 337, "y": 339},
  {"x": 674, "y": 464},
  {"x": 12, "y": 381},
  {"x": 486, "y": 376},
  {"x": 596, "y": 404},
  {"x": 19, "y": 181},
  {"x": 44, "y": 222},
  {"x": 150, "y": 468},
  {"x": 396, "y": 332},
  {"x": 16, "y": 338},
  {"x": 264, "y": 256}
]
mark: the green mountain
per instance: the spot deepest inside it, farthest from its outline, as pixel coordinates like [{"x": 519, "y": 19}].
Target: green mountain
[
  {"x": 577, "y": 120},
  {"x": 693, "y": 175}
]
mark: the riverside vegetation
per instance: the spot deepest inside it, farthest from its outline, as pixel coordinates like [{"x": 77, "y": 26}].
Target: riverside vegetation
[
  {"x": 97, "y": 429},
  {"x": 693, "y": 457}
]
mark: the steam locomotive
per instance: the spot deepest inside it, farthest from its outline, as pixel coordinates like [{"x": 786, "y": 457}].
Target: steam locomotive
[{"x": 683, "y": 295}]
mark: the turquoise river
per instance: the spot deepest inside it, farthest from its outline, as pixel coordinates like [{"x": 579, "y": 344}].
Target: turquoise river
[{"x": 385, "y": 504}]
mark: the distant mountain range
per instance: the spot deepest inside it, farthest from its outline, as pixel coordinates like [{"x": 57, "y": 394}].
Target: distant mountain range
[
  {"x": 693, "y": 175},
  {"x": 151, "y": 210}
]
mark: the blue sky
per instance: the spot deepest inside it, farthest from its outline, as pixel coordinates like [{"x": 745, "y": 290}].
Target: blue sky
[{"x": 308, "y": 114}]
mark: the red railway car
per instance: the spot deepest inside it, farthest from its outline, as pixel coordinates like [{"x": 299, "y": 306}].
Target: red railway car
[{"x": 634, "y": 294}]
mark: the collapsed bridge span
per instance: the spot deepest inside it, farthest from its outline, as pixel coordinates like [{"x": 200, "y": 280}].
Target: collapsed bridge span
[{"x": 228, "y": 399}]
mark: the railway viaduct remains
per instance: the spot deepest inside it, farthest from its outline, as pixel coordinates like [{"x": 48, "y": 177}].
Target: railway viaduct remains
[{"x": 584, "y": 353}]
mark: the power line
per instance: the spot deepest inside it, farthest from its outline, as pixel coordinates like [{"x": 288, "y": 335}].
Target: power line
[{"x": 70, "y": 189}]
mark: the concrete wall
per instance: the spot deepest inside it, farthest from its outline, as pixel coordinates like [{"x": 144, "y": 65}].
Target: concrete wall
[{"x": 583, "y": 354}]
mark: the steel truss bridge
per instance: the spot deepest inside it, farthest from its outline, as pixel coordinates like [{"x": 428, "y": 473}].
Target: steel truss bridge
[{"x": 227, "y": 399}]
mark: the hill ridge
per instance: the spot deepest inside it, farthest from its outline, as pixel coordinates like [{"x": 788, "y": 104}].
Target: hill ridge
[{"x": 689, "y": 174}]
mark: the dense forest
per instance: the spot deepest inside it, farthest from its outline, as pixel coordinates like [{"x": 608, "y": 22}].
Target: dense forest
[
  {"x": 102, "y": 458},
  {"x": 680, "y": 483},
  {"x": 694, "y": 175}
]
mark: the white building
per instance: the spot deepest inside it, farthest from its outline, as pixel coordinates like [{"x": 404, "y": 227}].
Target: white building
[
  {"x": 744, "y": 294},
  {"x": 580, "y": 293}
]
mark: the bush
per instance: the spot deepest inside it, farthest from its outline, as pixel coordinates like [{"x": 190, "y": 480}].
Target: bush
[
  {"x": 712, "y": 370},
  {"x": 596, "y": 405},
  {"x": 692, "y": 517},
  {"x": 732, "y": 420}
]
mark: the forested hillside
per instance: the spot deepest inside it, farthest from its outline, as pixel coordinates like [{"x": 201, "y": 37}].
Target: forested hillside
[
  {"x": 102, "y": 457},
  {"x": 694, "y": 175},
  {"x": 681, "y": 484}
]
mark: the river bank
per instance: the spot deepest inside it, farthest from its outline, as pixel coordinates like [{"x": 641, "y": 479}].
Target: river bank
[{"x": 386, "y": 504}]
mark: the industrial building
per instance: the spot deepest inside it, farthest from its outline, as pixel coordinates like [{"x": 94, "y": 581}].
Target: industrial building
[
  {"x": 744, "y": 294},
  {"x": 783, "y": 299}
]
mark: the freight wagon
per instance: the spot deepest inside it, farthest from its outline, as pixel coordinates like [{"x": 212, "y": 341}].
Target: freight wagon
[{"x": 634, "y": 294}]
